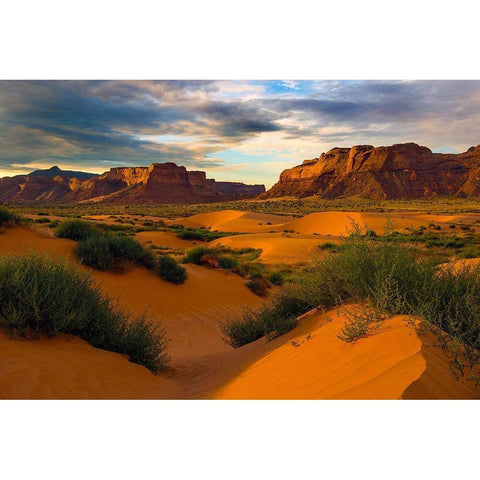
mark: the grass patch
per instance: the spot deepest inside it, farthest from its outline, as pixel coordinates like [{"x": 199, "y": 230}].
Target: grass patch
[
  {"x": 113, "y": 252},
  {"x": 77, "y": 230},
  {"x": 275, "y": 278},
  {"x": 169, "y": 269},
  {"x": 203, "y": 234},
  {"x": 9, "y": 218},
  {"x": 40, "y": 296}
]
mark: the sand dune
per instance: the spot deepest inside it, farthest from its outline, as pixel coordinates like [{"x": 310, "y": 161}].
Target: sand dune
[
  {"x": 278, "y": 248},
  {"x": 320, "y": 366},
  {"x": 337, "y": 223},
  {"x": 191, "y": 312},
  {"x": 233, "y": 221},
  {"x": 68, "y": 367},
  {"x": 165, "y": 239},
  {"x": 18, "y": 240}
]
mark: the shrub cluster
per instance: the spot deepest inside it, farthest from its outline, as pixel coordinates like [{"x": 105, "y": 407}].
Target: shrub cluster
[
  {"x": 9, "y": 218},
  {"x": 77, "y": 230},
  {"x": 392, "y": 278},
  {"x": 211, "y": 257},
  {"x": 39, "y": 295},
  {"x": 113, "y": 252},
  {"x": 169, "y": 269},
  {"x": 110, "y": 249},
  {"x": 203, "y": 234}
]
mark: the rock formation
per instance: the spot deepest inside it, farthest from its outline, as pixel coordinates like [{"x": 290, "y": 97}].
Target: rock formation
[
  {"x": 398, "y": 171},
  {"x": 158, "y": 183}
]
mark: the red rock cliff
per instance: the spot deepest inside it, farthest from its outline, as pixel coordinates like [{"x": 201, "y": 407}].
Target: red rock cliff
[
  {"x": 398, "y": 171},
  {"x": 158, "y": 183}
]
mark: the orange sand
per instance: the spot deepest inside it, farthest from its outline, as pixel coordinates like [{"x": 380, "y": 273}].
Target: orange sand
[
  {"x": 233, "y": 221},
  {"x": 278, "y": 248},
  {"x": 391, "y": 364},
  {"x": 320, "y": 366},
  {"x": 466, "y": 262},
  {"x": 18, "y": 240},
  {"x": 165, "y": 239}
]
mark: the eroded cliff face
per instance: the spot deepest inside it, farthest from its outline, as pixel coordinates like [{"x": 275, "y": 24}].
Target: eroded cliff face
[
  {"x": 158, "y": 183},
  {"x": 398, "y": 171}
]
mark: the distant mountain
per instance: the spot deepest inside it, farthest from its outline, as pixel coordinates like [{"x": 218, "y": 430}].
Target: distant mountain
[
  {"x": 158, "y": 183},
  {"x": 54, "y": 171},
  {"x": 399, "y": 171}
]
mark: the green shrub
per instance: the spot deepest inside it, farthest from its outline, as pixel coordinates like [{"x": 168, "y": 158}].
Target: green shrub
[
  {"x": 169, "y": 269},
  {"x": 42, "y": 220},
  {"x": 42, "y": 296},
  {"x": 195, "y": 254},
  {"x": 259, "y": 285},
  {"x": 77, "y": 230},
  {"x": 113, "y": 252},
  {"x": 393, "y": 279},
  {"x": 227, "y": 262},
  {"x": 244, "y": 330},
  {"x": 275, "y": 278},
  {"x": 9, "y": 218},
  {"x": 360, "y": 322},
  {"x": 54, "y": 224}
]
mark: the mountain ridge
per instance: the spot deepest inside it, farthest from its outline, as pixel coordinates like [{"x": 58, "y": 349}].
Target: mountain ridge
[
  {"x": 399, "y": 171},
  {"x": 157, "y": 183}
]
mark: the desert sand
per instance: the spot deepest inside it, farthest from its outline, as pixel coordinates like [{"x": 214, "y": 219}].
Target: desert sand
[
  {"x": 233, "y": 221},
  {"x": 314, "y": 364},
  {"x": 279, "y": 248},
  {"x": 393, "y": 363}
]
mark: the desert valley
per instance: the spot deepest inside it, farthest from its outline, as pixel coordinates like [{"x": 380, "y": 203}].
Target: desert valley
[{"x": 354, "y": 277}]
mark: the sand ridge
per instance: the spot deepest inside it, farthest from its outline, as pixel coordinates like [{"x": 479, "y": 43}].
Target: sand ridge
[{"x": 314, "y": 363}]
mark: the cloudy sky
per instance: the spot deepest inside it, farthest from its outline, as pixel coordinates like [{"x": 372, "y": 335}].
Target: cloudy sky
[{"x": 235, "y": 130}]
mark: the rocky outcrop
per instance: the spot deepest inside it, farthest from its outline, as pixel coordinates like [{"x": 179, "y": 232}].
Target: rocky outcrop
[
  {"x": 158, "y": 183},
  {"x": 398, "y": 171}
]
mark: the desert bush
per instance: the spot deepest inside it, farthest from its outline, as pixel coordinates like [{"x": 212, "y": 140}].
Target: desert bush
[
  {"x": 254, "y": 325},
  {"x": 391, "y": 278},
  {"x": 113, "y": 252},
  {"x": 259, "y": 285},
  {"x": 77, "y": 230},
  {"x": 9, "y": 218},
  {"x": 360, "y": 322},
  {"x": 327, "y": 246},
  {"x": 240, "y": 331},
  {"x": 203, "y": 234},
  {"x": 54, "y": 224},
  {"x": 275, "y": 278},
  {"x": 42, "y": 296},
  {"x": 227, "y": 262},
  {"x": 169, "y": 269},
  {"x": 211, "y": 257},
  {"x": 195, "y": 254}
]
